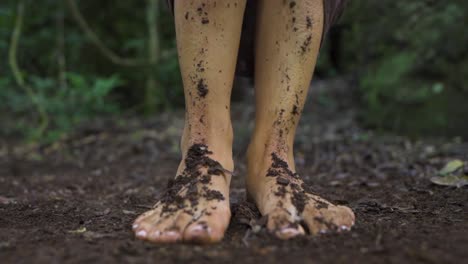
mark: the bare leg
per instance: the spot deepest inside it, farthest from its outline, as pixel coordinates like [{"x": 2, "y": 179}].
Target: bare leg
[
  {"x": 288, "y": 39},
  {"x": 196, "y": 206}
]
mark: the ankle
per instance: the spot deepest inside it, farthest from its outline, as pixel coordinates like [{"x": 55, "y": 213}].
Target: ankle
[
  {"x": 261, "y": 148},
  {"x": 261, "y": 155},
  {"x": 218, "y": 141}
]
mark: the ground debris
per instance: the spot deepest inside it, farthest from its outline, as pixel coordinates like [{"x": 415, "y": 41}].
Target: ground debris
[
  {"x": 5, "y": 200},
  {"x": 452, "y": 174},
  {"x": 78, "y": 231}
]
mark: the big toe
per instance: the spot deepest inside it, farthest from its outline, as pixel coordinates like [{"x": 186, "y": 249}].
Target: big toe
[{"x": 171, "y": 231}]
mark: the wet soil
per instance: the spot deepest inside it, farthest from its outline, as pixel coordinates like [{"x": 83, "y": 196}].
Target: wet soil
[{"x": 74, "y": 201}]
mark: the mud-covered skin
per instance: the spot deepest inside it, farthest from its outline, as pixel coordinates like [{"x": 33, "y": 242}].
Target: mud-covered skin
[
  {"x": 288, "y": 39},
  {"x": 195, "y": 207},
  {"x": 192, "y": 203},
  {"x": 291, "y": 209},
  {"x": 183, "y": 192}
]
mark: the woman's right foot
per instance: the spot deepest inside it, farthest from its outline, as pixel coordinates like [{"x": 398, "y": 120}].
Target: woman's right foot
[{"x": 195, "y": 207}]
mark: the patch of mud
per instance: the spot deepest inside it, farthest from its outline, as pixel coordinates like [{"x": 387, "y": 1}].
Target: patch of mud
[
  {"x": 202, "y": 88},
  {"x": 188, "y": 181},
  {"x": 305, "y": 47},
  {"x": 213, "y": 195},
  {"x": 299, "y": 198},
  {"x": 279, "y": 167}
]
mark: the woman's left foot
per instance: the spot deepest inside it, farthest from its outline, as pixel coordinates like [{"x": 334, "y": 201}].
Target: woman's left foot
[{"x": 282, "y": 196}]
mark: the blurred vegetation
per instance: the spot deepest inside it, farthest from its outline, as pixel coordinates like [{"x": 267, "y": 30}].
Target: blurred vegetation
[
  {"x": 411, "y": 62},
  {"x": 409, "y": 59}
]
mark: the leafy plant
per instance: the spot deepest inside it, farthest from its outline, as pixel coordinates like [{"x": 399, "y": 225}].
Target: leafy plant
[
  {"x": 411, "y": 59},
  {"x": 84, "y": 98}
]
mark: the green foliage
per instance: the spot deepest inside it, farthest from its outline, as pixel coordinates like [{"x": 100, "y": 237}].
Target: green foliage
[
  {"x": 82, "y": 99},
  {"x": 411, "y": 59},
  {"x": 171, "y": 93},
  {"x": 122, "y": 28}
]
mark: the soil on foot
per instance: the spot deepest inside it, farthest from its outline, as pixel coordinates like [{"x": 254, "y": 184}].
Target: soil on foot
[
  {"x": 193, "y": 208},
  {"x": 291, "y": 208}
]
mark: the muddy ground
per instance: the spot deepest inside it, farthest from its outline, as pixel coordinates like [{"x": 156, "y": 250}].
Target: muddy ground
[{"x": 74, "y": 201}]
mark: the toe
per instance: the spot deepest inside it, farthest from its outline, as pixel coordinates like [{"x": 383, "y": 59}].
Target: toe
[
  {"x": 209, "y": 228},
  {"x": 316, "y": 223},
  {"x": 165, "y": 231},
  {"x": 143, "y": 224},
  {"x": 153, "y": 227},
  {"x": 284, "y": 224},
  {"x": 317, "y": 220},
  {"x": 199, "y": 232},
  {"x": 333, "y": 218},
  {"x": 286, "y": 233},
  {"x": 345, "y": 218},
  {"x": 167, "y": 236},
  {"x": 183, "y": 221}
]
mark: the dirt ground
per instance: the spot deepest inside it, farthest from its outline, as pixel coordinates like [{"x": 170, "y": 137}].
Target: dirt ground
[{"x": 74, "y": 201}]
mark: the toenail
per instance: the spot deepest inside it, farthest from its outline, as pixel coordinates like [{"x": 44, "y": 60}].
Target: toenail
[
  {"x": 135, "y": 226},
  {"x": 200, "y": 228},
  {"x": 171, "y": 233},
  {"x": 141, "y": 233},
  {"x": 323, "y": 231},
  {"x": 289, "y": 233},
  {"x": 343, "y": 227}
]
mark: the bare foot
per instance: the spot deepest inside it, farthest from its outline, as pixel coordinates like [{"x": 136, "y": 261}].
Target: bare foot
[
  {"x": 282, "y": 196},
  {"x": 195, "y": 207}
]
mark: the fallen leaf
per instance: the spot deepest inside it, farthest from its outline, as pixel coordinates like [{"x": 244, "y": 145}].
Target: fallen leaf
[
  {"x": 451, "y": 180},
  {"x": 78, "y": 231},
  {"x": 451, "y": 167},
  {"x": 451, "y": 175}
]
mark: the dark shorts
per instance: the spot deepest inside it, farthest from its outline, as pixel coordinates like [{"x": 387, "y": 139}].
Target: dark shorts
[{"x": 246, "y": 58}]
